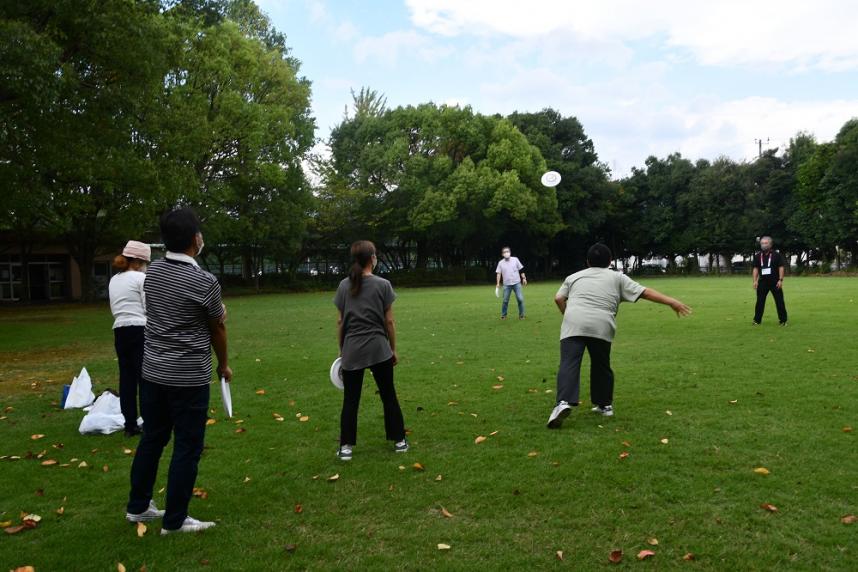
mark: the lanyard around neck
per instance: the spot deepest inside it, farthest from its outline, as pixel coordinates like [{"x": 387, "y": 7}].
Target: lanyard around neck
[{"x": 769, "y": 261}]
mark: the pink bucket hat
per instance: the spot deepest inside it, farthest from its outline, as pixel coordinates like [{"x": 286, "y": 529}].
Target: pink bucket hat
[{"x": 135, "y": 249}]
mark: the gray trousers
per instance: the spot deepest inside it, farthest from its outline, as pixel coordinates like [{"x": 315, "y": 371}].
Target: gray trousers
[{"x": 569, "y": 373}]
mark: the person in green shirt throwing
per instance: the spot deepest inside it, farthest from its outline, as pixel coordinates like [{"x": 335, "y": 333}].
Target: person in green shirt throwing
[{"x": 589, "y": 301}]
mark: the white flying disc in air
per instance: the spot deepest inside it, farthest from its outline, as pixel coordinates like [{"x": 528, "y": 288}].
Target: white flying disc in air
[
  {"x": 551, "y": 179},
  {"x": 337, "y": 373}
]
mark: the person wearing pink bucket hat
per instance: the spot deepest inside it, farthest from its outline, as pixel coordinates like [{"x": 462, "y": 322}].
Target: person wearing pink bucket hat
[{"x": 128, "y": 305}]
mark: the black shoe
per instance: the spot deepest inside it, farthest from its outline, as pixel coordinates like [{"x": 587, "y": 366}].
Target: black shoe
[{"x": 135, "y": 432}]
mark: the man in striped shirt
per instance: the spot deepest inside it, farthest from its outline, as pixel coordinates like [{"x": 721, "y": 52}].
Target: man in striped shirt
[{"x": 184, "y": 320}]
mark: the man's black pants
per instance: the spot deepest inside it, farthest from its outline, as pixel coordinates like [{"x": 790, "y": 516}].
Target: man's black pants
[
  {"x": 169, "y": 410},
  {"x": 394, "y": 425},
  {"x": 128, "y": 341},
  {"x": 569, "y": 374},
  {"x": 763, "y": 289}
]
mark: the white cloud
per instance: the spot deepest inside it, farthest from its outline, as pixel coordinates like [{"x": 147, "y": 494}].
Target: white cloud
[
  {"x": 389, "y": 47},
  {"x": 794, "y": 33}
]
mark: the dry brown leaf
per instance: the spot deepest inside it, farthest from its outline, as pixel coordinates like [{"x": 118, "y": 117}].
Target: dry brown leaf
[
  {"x": 438, "y": 478},
  {"x": 105, "y": 468},
  {"x": 442, "y": 546},
  {"x": 533, "y": 454},
  {"x": 37, "y": 436},
  {"x": 277, "y": 416},
  {"x": 418, "y": 467},
  {"x": 14, "y": 529},
  {"x": 299, "y": 509},
  {"x": 626, "y": 444},
  {"x": 644, "y": 554},
  {"x": 652, "y": 541},
  {"x": 6, "y": 524},
  {"x": 201, "y": 493},
  {"x": 849, "y": 519},
  {"x": 127, "y": 451},
  {"x": 624, "y": 454},
  {"x": 260, "y": 392},
  {"x": 141, "y": 530},
  {"x": 25, "y": 569},
  {"x": 479, "y": 439},
  {"x": 559, "y": 555},
  {"x": 501, "y": 378},
  {"x": 333, "y": 478},
  {"x": 82, "y": 465},
  {"x": 762, "y": 471},
  {"x": 769, "y": 507},
  {"x": 668, "y": 412},
  {"x": 211, "y": 421},
  {"x": 734, "y": 401},
  {"x": 161, "y": 490},
  {"x": 49, "y": 462},
  {"x": 616, "y": 556},
  {"x": 847, "y": 429},
  {"x": 120, "y": 567},
  {"x": 688, "y": 556},
  {"x": 446, "y": 513},
  {"x": 247, "y": 479},
  {"x": 664, "y": 441},
  {"x": 304, "y": 418},
  {"x": 241, "y": 430},
  {"x": 493, "y": 433},
  {"x": 61, "y": 511}
]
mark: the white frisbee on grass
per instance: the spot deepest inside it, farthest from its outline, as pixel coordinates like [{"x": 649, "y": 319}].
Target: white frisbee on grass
[
  {"x": 337, "y": 373},
  {"x": 550, "y": 179}
]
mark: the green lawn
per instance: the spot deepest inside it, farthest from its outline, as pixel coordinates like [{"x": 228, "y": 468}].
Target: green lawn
[{"x": 727, "y": 396}]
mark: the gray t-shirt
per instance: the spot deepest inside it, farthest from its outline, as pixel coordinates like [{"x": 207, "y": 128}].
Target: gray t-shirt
[
  {"x": 365, "y": 340},
  {"x": 594, "y": 296}
]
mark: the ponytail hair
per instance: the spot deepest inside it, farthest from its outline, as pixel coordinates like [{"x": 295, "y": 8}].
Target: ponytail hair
[
  {"x": 121, "y": 263},
  {"x": 362, "y": 252}
]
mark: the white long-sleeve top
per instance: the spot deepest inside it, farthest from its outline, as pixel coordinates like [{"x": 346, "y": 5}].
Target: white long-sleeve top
[{"x": 127, "y": 300}]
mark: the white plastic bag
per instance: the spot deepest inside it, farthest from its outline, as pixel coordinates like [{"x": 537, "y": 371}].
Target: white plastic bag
[
  {"x": 80, "y": 392},
  {"x": 104, "y": 417}
]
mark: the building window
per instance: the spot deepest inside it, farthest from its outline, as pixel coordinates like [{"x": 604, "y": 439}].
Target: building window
[{"x": 11, "y": 283}]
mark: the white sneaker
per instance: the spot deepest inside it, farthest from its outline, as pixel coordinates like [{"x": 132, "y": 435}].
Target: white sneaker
[
  {"x": 558, "y": 415},
  {"x": 344, "y": 453},
  {"x": 150, "y": 513},
  {"x": 607, "y": 411},
  {"x": 190, "y": 525}
]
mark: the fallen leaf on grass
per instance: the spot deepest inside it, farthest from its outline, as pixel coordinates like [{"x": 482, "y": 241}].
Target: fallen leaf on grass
[
  {"x": 442, "y": 546},
  {"x": 847, "y": 429},
  {"x": 479, "y": 439},
  {"x": 105, "y": 468},
  {"x": 82, "y": 465},
  {"x": 299, "y": 509},
  {"x": 665, "y": 441},
  {"x": 290, "y": 548},
  {"x": 652, "y": 541},
  {"x": 533, "y": 454},
  {"x": 616, "y": 556},
  {"x": 61, "y": 511},
  {"x": 559, "y": 555},
  {"x": 127, "y": 451},
  {"x": 501, "y": 378},
  {"x": 333, "y": 478},
  {"x": 25, "y": 569},
  {"x": 624, "y": 454},
  {"x": 201, "y": 493},
  {"x": 211, "y": 421},
  {"x": 497, "y": 386},
  {"x": 849, "y": 519},
  {"x": 49, "y": 462},
  {"x": 304, "y": 418},
  {"x": 260, "y": 392},
  {"x": 120, "y": 567},
  {"x": 668, "y": 412},
  {"x": 247, "y": 479},
  {"x": 769, "y": 507},
  {"x": 734, "y": 401},
  {"x": 762, "y": 471},
  {"x": 418, "y": 467},
  {"x": 14, "y": 529},
  {"x": 241, "y": 430},
  {"x": 688, "y": 556},
  {"x": 446, "y": 513},
  {"x": 277, "y": 416},
  {"x": 141, "y": 530},
  {"x": 6, "y": 524},
  {"x": 644, "y": 554},
  {"x": 493, "y": 433},
  {"x": 37, "y": 436},
  {"x": 626, "y": 444}
]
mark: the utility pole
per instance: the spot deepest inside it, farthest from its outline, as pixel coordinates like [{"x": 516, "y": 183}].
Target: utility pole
[{"x": 759, "y": 143}]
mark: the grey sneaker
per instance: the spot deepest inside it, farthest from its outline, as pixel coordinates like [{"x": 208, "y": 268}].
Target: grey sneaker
[
  {"x": 344, "y": 453},
  {"x": 401, "y": 447},
  {"x": 607, "y": 411},
  {"x": 150, "y": 513},
  {"x": 558, "y": 415},
  {"x": 190, "y": 525}
]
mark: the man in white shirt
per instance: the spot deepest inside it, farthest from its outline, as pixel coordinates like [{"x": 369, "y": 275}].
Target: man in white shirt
[
  {"x": 589, "y": 301},
  {"x": 509, "y": 271}
]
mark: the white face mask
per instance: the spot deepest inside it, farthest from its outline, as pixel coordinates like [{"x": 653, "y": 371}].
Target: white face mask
[
  {"x": 507, "y": 254},
  {"x": 200, "y": 244}
]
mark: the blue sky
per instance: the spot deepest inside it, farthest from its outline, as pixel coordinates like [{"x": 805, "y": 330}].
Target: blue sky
[{"x": 702, "y": 78}]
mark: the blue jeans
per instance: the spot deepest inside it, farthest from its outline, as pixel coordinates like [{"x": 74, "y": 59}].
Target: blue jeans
[{"x": 519, "y": 296}]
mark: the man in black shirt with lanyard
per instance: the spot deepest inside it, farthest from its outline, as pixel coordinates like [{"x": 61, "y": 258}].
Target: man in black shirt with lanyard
[{"x": 769, "y": 277}]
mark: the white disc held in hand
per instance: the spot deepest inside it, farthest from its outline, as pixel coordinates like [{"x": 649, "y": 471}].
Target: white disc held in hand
[
  {"x": 337, "y": 373},
  {"x": 551, "y": 179}
]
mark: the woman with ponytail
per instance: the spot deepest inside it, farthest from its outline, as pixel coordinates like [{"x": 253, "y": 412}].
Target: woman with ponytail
[
  {"x": 127, "y": 303},
  {"x": 367, "y": 338}
]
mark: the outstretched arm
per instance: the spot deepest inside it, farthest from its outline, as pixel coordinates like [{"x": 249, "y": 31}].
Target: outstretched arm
[{"x": 675, "y": 305}]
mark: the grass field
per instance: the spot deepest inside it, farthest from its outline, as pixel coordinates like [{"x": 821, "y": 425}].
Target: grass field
[{"x": 727, "y": 397}]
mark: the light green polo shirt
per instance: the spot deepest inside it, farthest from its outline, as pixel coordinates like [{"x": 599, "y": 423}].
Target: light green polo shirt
[{"x": 594, "y": 296}]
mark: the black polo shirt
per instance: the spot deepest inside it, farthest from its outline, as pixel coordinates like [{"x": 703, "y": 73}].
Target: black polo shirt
[{"x": 769, "y": 260}]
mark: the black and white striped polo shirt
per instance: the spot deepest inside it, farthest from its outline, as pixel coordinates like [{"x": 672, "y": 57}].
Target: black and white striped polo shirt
[{"x": 181, "y": 298}]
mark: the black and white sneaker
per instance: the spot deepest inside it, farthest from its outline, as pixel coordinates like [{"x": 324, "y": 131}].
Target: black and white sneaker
[
  {"x": 401, "y": 446},
  {"x": 344, "y": 453},
  {"x": 606, "y": 411},
  {"x": 151, "y": 513},
  {"x": 558, "y": 415}
]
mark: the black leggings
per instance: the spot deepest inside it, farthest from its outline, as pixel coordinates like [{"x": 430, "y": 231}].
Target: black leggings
[
  {"x": 129, "y": 352},
  {"x": 394, "y": 425}
]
